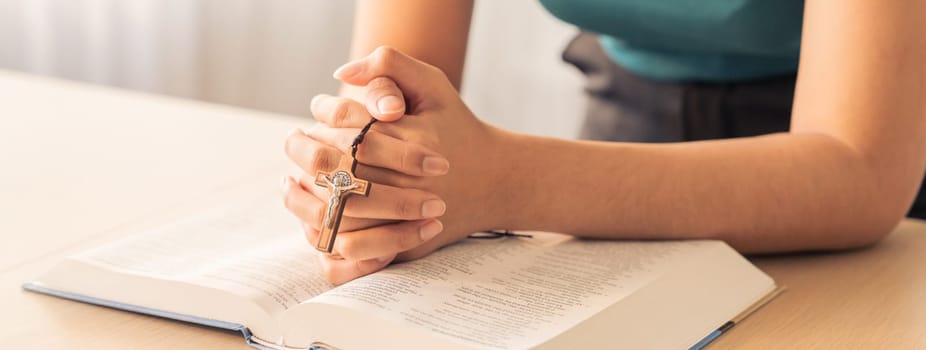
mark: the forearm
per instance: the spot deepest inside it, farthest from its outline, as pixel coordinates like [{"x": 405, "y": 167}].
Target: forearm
[
  {"x": 780, "y": 192},
  {"x": 433, "y": 32}
]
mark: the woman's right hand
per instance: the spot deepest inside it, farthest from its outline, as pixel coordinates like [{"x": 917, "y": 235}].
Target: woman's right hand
[
  {"x": 475, "y": 190},
  {"x": 403, "y": 218}
]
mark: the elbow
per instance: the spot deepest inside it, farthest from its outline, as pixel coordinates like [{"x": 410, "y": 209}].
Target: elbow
[
  {"x": 866, "y": 227},
  {"x": 868, "y": 234},
  {"x": 874, "y": 203}
]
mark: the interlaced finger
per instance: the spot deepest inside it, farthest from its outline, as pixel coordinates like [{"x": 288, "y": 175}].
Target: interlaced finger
[
  {"x": 385, "y": 202},
  {"x": 384, "y": 151},
  {"x": 339, "y": 112}
]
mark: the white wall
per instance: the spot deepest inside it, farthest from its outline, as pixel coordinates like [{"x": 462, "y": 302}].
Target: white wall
[{"x": 275, "y": 55}]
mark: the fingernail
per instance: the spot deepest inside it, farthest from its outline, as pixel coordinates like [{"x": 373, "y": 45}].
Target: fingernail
[
  {"x": 348, "y": 70},
  {"x": 429, "y": 230},
  {"x": 433, "y": 208},
  {"x": 295, "y": 131},
  {"x": 435, "y": 165},
  {"x": 284, "y": 183},
  {"x": 390, "y": 104}
]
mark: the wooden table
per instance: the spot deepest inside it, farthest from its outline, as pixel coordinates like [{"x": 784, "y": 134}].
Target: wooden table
[{"x": 79, "y": 164}]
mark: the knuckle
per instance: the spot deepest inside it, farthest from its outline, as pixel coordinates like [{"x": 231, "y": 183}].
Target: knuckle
[
  {"x": 383, "y": 51},
  {"x": 340, "y": 113},
  {"x": 404, "y": 209},
  {"x": 406, "y": 160},
  {"x": 348, "y": 247},
  {"x": 384, "y": 57},
  {"x": 320, "y": 159}
]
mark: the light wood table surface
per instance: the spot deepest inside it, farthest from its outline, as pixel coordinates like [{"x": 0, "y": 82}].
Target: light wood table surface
[{"x": 79, "y": 164}]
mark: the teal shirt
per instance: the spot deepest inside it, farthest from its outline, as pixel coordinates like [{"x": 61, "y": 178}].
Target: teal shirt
[{"x": 693, "y": 40}]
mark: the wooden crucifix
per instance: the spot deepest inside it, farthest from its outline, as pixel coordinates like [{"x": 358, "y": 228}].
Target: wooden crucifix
[{"x": 340, "y": 183}]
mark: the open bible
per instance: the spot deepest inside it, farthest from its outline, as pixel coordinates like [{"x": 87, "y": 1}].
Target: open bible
[{"x": 248, "y": 268}]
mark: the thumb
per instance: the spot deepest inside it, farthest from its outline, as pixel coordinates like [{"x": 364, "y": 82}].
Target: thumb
[
  {"x": 419, "y": 81},
  {"x": 384, "y": 100}
]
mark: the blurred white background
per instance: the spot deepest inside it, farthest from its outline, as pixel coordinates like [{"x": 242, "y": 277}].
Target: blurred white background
[{"x": 275, "y": 55}]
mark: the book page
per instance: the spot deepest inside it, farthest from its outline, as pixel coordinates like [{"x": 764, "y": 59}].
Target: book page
[
  {"x": 508, "y": 293},
  {"x": 255, "y": 250}
]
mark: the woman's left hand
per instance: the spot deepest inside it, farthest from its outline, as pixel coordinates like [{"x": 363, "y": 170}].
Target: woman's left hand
[{"x": 437, "y": 119}]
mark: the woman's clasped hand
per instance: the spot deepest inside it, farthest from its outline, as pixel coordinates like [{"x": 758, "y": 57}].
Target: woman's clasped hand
[{"x": 428, "y": 189}]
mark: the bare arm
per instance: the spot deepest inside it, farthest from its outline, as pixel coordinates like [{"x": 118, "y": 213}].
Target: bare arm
[
  {"x": 843, "y": 177},
  {"x": 435, "y": 32}
]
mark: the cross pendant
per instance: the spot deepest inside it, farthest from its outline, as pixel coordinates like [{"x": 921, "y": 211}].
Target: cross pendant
[{"x": 340, "y": 183}]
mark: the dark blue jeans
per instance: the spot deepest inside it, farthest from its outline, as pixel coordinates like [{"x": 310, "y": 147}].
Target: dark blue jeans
[{"x": 623, "y": 106}]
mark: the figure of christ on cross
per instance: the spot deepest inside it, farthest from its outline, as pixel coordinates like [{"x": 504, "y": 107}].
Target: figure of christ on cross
[{"x": 340, "y": 183}]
